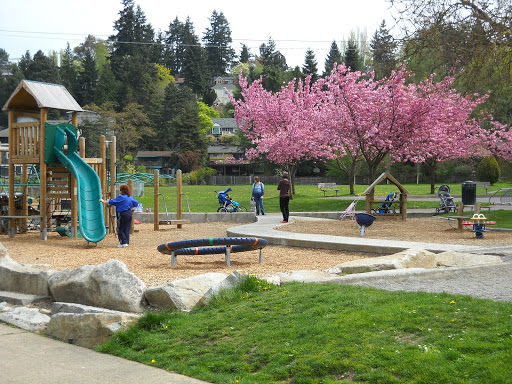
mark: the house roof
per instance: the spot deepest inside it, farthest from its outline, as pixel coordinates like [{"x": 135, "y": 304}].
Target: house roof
[
  {"x": 154, "y": 154},
  {"x": 36, "y": 95},
  {"x": 225, "y": 122},
  {"x": 223, "y": 149}
]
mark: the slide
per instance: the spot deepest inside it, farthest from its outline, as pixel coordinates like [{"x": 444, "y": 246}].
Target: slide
[{"x": 90, "y": 209}]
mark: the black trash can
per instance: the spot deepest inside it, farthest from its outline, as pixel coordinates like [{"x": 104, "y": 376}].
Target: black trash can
[{"x": 469, "y": 193}]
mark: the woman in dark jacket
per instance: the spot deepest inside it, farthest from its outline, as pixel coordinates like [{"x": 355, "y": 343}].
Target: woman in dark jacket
[
  {"x": 284, "y": 196},
  {"x": 124, "y": 204}
]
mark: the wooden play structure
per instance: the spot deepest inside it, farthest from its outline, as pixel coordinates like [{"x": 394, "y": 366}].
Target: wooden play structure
[
  {"x": 373, "y": 205},
  {"x": 59, "y": 156},
  {"x": 178, "y": 221}
]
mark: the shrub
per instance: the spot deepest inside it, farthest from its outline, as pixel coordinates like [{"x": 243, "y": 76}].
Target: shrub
[
  {"x": 201, "y": 174},
  {"x": 488, "y": 170}
]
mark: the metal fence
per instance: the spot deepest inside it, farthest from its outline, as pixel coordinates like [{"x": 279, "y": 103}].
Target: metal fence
[{"x": 243, "y": 180}]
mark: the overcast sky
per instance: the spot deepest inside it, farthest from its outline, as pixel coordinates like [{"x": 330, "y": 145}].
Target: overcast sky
[{"x": 294, "y": 26}]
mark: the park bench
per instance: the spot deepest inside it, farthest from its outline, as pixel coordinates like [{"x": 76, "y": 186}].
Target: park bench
[
  {"x": 484, "y": 184},
  {"x": 325, "y": 187}
]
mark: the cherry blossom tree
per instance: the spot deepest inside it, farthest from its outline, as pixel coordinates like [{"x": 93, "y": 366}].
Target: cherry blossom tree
[
  {"x": 284, "y": 127},
  {"x": 394, "y": 117}
]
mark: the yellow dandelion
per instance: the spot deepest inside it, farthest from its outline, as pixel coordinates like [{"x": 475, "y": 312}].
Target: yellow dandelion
[
  {"x": 452, "y": 302},
  {"x": 153, "y": 360}
]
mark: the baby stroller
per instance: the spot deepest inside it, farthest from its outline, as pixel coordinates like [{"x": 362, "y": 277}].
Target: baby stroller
[
  {"x": 227, "y": 204},
  {"x": 387, "y": 207},
  {"x": 447, "y": 204}
]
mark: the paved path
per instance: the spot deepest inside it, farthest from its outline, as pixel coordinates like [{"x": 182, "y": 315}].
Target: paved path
[{"x": 26, "y": 358}]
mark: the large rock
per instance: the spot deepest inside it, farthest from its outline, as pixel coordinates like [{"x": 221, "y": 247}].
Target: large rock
[
  {"x": 60, "y": 307},
  {"x": 29, "y": 319},
  {"x": 184, "y": 294},
  {"x": 409, "y": 258},
  {"x": 229, "y": 282},
  {"x": 88, "y": 329},
  {"x": 413, "y": 258},
  {"x": 22, "y": 278},
  {"x": 299, "y": 275},
  {"x": 110, "y": 285}
]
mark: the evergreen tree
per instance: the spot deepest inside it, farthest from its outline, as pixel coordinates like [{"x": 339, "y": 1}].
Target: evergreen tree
[
  {"x": 87, "y": 79},
  {"x": 274, "y": 66},
  {"x": 334, "y": 56},
  {"x": 125, "y": 27},
  {"x": 7, "y": 83},
  {"x": 174, "y": 53},
  {"x": 383, "y": 51},
  {"x": 194, "y": 66},
  {"x": 244, "y": 55},
  {"x": 310, "y": 66},
  {"x": 107, "y": 88},
  {"x": 42, "y": 68},
  {"x": 352, "y": 57},
  {"x": 270, "y": 57},
  {"x": 217, "y": 41},
  {"x": 67, "y": 69}
]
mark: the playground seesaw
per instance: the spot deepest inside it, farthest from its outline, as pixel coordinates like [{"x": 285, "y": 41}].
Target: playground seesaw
[{"x": 211, "y": 246}]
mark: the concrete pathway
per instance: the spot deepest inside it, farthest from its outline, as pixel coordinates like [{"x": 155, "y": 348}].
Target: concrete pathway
[{"x": 26, "y": 357}]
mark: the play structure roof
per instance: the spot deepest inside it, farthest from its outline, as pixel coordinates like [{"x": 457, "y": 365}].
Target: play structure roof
[
  {"x": 34, "y": 95},
  {"x": 383, "y": 177}
]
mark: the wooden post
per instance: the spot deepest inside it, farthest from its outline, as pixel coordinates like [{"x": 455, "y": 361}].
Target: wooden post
[
  {"x": 477, "y": 207},
  {"x": 460, "y": 213},
  {"x": 103, "y": 176},
  {"x": 403, "y": 208},
  {"x": 130, "y": 188},
  {"x": 156, "y": 208},
  {"x": 12, "y": 137},
  {"x": 179, "y": 215},
  {"x": 113, "y": 177},
  {"x": 42, "y": 174}
]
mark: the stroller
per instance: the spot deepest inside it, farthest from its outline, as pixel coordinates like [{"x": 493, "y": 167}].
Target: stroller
[
  {"x": 447, "y": 204},
  {"x": 227, "y": 204},
  {"x": 387, "y": 207}
]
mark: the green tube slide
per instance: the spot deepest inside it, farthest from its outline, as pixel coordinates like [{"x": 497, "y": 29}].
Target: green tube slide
[{"x": 90, "y": 209}]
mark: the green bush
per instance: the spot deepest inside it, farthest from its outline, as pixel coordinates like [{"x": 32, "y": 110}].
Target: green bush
[
  {"x": 201, "y": 174},
  {"x": 488, "y": 170}
]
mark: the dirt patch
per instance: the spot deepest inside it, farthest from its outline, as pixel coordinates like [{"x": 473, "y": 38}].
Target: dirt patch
[
  {"x": 153, "y": 267},
  {"x": 432, "y": 230}
]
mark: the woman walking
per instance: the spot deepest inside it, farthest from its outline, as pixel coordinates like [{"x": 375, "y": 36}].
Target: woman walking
[
  {"x": 124, "y": 204},
  {"x": 284, "y": 196},
  {"x": 258, "y": 190}
]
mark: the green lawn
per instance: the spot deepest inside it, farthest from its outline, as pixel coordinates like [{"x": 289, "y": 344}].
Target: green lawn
[
  {"x": 202, "y": 198},
  {"x": 314, "y": 333}
]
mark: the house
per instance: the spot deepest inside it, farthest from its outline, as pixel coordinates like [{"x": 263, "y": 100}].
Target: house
[
  {"x": 223, "y": 126},
  {"x": 154, "y": 160},
  {"x": 224, "y": 86},
  {"x": 219, "y": 157}
]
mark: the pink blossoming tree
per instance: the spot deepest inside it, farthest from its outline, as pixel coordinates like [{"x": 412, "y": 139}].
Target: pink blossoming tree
[{"x": 284, "y": 127}]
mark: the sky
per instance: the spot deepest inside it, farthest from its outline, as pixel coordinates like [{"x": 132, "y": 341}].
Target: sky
[{"x": 32, "y": 25}]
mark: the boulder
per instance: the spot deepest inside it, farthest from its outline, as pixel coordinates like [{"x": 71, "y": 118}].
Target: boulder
[
  {"x": 80, "y": 308},
  {"x": 460, "y": 259},
  {"x": 110, "y": 285},
  {"x": 229, "y": 282},
  {"x": 88, "y": 329},
  {"x": 409, "y": 258},
  {"x": 300, "y": 276},
  {"x": 29, "y": 319},
  {"x": 184, "y": 294},
  {"x": 22, "y": 278}
]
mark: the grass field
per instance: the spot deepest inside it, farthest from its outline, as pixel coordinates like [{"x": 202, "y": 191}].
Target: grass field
[
  {"x": 314, "y": 333},
  {"x": 308, "y": 198}
]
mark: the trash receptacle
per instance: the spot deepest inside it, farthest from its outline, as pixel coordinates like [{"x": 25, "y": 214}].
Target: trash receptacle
[{"x": 469, "y": 193}]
